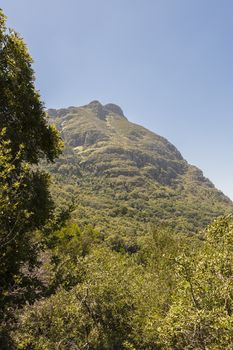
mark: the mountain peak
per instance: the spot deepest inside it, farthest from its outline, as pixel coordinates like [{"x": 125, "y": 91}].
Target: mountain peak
[
  {"x": 95, "y": 103},
  {"x": 111, "y": 107},
  {"x": 97, "y": 108},
  {"x": 102, "y": 111}
]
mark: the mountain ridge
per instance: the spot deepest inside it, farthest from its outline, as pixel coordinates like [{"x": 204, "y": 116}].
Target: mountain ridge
[{"x": 124, "y": 173}]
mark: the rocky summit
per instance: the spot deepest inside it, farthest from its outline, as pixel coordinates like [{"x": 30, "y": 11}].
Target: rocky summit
[{"x": 125, "y": 178}]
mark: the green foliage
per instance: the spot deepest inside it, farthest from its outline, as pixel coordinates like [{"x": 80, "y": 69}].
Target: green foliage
[
  {"x": 67, "y": 247},
  {"x": 102, "y": 312},
  {"x": 201, "y": 315},
  {"x": 21, "y": 110},
  {"x": 15, "y": 219},
  {"x": 174, "y": 293},
  {"x": 106, "y": 300},
  {"x": 25, "y": 201}
]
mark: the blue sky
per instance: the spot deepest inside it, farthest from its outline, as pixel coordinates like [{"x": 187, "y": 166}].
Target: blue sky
[{"x": 167, "y": 63}]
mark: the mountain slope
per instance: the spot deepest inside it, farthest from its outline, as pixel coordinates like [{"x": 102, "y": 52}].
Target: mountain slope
[{"x": 125, "y": 178}]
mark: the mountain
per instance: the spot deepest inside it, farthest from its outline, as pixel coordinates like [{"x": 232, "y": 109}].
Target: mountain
[{"x": 126, "y": 179}]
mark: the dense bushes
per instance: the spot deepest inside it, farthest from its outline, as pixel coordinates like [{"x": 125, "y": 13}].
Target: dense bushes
[{"x": 169, "y": 295}]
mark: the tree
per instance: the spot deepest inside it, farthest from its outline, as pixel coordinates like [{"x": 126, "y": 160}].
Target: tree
[
  {"x": 25, "y": 138},
  {"x": 110, "y": 308},
  {"x": 201, "y": 316},
  {"x": 21, "y": 110}
]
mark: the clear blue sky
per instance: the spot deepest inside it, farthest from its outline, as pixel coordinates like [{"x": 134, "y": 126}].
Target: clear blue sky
[{"x": 167, "y": 63}]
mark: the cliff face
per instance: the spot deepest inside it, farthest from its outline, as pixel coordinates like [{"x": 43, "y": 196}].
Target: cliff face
[{"x": 123, "y": 174}]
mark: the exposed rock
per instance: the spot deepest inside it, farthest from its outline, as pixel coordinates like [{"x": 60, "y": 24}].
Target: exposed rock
[
  {"x": 98, "y": 109},
  {"x": 111, "y": 107}
]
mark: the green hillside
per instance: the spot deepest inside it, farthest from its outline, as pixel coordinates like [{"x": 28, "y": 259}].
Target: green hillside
[{"x": 125, "y": 178}]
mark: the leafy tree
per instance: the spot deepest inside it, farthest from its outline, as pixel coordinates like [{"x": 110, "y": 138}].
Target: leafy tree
[
  {"x": 201, "y": 316},
  {"x": 21, "y": 110},
  {"x": 111, "y": 308},
  {"x": 66, "y": 248},
  {"x": 25, "y": 201}
]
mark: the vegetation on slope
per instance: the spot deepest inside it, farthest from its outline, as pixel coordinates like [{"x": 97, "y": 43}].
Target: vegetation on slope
[
  {"x": 173, "y": 294},
  {"x": 126, "y": 178}
]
